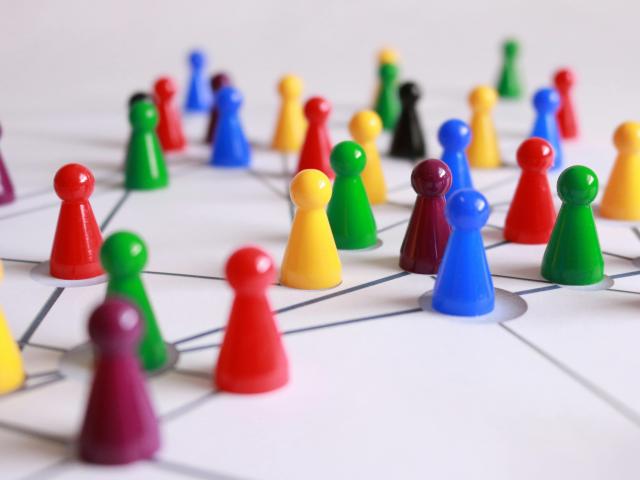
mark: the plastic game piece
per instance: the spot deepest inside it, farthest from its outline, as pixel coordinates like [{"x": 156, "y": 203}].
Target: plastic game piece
[
  {"x": 509, "y": 84},
  {"x": 483, "y": 151},
  {"x": 139, "y": 96},
  {"x": 386, "y": 56},
  {"x": 199, "y": 97},
  {"x": 230, "y": 146},
  {"x": 564, "y": 80},
  {"x": 464, "y": 285},
  {"x": 12, "y": 374},
  {"x": 169, "y": 128},
  {"x": 7, "y": 194},
  {"x": 388, "y": 102},
  {"x": 532, "y": 214},
  {"x": 349, "y": 211},
  {"x": 252, "y": 358},
  {"x": 317, "y": 145},
  {"x": 218, "y": 81},
  {"x": 546, "y": 102},
  {"x": 311, "y": 258},
  {"x": 454, "y": 136},
  {"x": 573, "y": 255},
  {"x": 408, "y": 137},
  {"x": 119, "y": 425},
  {"x": 291, "y": 125},
  {"x": 621, "y": 200},
  {"x": 428, "y": 231},
  {"x": 123, "y": 256},
  {"x": 145, "y": 168},
  {"x": 75, "y": 253},
  {"x": 365, "y": 127}
]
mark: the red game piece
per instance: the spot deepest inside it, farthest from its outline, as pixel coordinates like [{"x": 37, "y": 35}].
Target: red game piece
[
  {"x": 252, "y": 358},
  {"x": 119, "y": 425},
  {"x": 7, "y": 194},
  {"x": 428, "y": 230},
  {"x": 532, "y": 214},
  {"x": 169, "y": 127},
  {"x": 566, "y": 116},
  {"x": 217, "y": 82},
  {"x": 76, "y": 246},
  {"x": 317, "y": 145}
]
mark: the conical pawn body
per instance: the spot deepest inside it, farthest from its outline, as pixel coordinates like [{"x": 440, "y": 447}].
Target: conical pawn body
[
  {"x": 316, "y": 149},
  {"x": 291, "y": 124},
  {"x": 12, "y": 374},
  {"x": 230, "y": 145},
  {"x": 509, "y": 82},
  {"x": 199, "y": 97},
  {"x": 483, "y": 151},
  {"x": 546, "y": 102},
  {"x": 387, "y": 104},
  {"x": 365, "y": 127},
  {"x": 169, "y": 130},
  {"x": 454, "y": 135},
  {"x": 408, "y": 136}
]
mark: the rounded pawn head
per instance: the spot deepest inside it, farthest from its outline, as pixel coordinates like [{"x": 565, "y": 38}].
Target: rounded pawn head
[
  {"x": 627, "y": 137},
  {"x": 348, "y": 159},
  {"x": 409, "y": 93},
  {"x": 165, "y": 88},
  {"x": 564, "y": 79},
  {"x": 73, "y": 182},
  {"x": 290, "y": 86},
  {"x": 431, "y": 178},
  {"x": 467, "y": 209},
  {"x": 115, "y": 325},
  {"x": 578, "y": 185},
  {"x": 250, "y": 268},
  {"x": 139, "y": 97},
  {"x": 511, "y": 47},
  {"x": 220, "y": 80},
  {"x": 229, "y": 99},
  {"x": 123, "y": 254},
  {"x": 365, "y": 126},
  {"x": 535, "y": 155},
  {"x": 309, "y": 189},
  {"x": 388, "y": 55},
  {"x": 143, "y": 115},
  {"x": 546, "y": 100},
  {"x": 454, "y": 134},
  {"x": 197, "y": 58},
  {"x": 483, "y": 98},
  {"x": 388, "y": 72},
  {"x": 317, "y": 110}
]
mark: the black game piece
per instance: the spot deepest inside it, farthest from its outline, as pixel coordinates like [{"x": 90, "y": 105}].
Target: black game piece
[{"x": 408, "y": 137}]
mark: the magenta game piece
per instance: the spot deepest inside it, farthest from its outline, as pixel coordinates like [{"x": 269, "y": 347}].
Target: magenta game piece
[
  {"x": 7, "y": 194},
  {"x": 218, "y": 81}
]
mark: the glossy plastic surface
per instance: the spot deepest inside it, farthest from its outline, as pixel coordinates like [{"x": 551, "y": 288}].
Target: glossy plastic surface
[
  {"x": 199, "y": 98},
  {"x": 317, "y": 145},
  {"x": 365, "y": 127},
  {"x": 169, "y": 127},
  {"x": 564, "y": 80},
  {"x": 454, "y": 137},
  {"x": 291, "y": 125},
  {"x": 230, "y": 146},
  {"x": 408, "y": 137},
  {"x": 483, "y": 151},
  {"x": 218, "y": 81},
  {"x": 7, "y": 193},
  {"x": 546, "y": 102},
  {"x": 509, "y": 83},
  {"x": 12, "y": 373},
  {"x": 387, "y": 104}
]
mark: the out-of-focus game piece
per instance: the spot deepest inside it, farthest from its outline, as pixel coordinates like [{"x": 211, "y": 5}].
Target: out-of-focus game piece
[
  {"x": 408, "y": 137},
  {"x": 138, "y": 97},
  {"x": 483, "y": 151},
  {"x": 349, "y": 211},
  {"x": 75, "y": 253},
  {"x": 291, "y": 124},
  {"x": 621, "y": 200},
  {"x": 218, "y": 81},
  {"x": 428, "y": 231},
  {"x": 388, "y": 102},
  {"x": 7, "y": 194},
  {"x": 199, "y": 97},
  {"x": 386, "y": 56},
  {"x": 454, "y": 136},
  {"x": 365, "y": 127},
  {"x": 119, "y": 425},
  {"x": 230, "y": 146},
  {"x": 546, "y": 102},
  {"x": 509, "y": 83},
  {"x": 573, "y": 255},
  {"x": 12, "y": 374},
  {"x": 464, "y": 285},
  {"x": 532, "y": 214},
  {"x": 123, "y": 256},
  {"x": 169, "y": 128},
  {"x": 564, "y": 80},
  {"x": 317, "y": 145},
  {"x": 311, "y": 258},
  {"x": 252, "y": 358}
]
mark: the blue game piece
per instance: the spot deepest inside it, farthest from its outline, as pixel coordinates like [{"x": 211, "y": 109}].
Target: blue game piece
[
  {"x": 454, "y": 136},
  {"x": 464, "y": 285},
  {"x": 199, "y": 96},
  {"x": 230, "y": 146},
  {"x": 546, "y": 101}
]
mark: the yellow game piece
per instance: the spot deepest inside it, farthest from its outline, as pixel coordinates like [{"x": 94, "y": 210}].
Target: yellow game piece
[
  {"x": 483, "y": 151},
  {"x": 11, "y": 369},
  {"x": 621, "y": 200},
  {"x": 292, "y": 124},
  {"x": 311, "y": 259},
  {"x": 388, "y": 55},
  {"x": 365, "y": 127}
]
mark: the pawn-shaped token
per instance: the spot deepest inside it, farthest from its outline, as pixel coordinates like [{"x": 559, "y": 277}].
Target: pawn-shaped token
[
  {"x": 454, "y": 137},
  {"x": 564, "y": 80},
  {"x": 388, "y": 102},
  {"x": 464, "y": 285},
  {"x": 621, "y": 200},
  {"x": 123, "y": 256},
  {"x": 199, "y": 97},
  {"x": 428, "y": 230},
  {"x": 252, "y": 358},
  {"x": 291, "y": 125},
  {"x": 573, "y": 255},
  {"x": 349, "y": 211},
  {"x": 119, "y": 425},
  {"x": 12, "y": 374},
  {"x": 546, "y": 102},
  {"x": 509, "y": 84},
  {"x": 483, "y": 151},
  {"x": 365, "y": 127},
  {"x": 7, "y": 194},
  {"x": 386, "y": 56},
  {"x": 136, "y": 97},
  {"x": 408, "y": 138},
  {"x": 532, "y": 214},
  {"x": 145, "y": 168},
  {"x": 169, "y": 127},
  {"x": 311, "y": 258},
  {"x": 317, "y": 145},
  {"x": 218, "y": 81},
  {"x": 75, "y": 253},
  {"x": 230, "y": 146}
]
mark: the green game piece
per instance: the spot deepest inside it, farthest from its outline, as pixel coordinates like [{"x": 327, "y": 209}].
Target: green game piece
[
  {"x": 509, "y": 85},
  {"x": 145, "y": 166},
  {"x": 123, "y": 256},
  {"x": 349, "y": 211},
  {"x": 573, "y": 255},
  {"x": 388, "y": 101}
]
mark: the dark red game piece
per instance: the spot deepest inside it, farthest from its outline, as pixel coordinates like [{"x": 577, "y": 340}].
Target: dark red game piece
[
  {"x": 566, "y": 115},
  {"x": 218, "y": 81},
  {"x": 428, "y": 230},
  {"x": 7, "y": 194},
  {"x": 119, "y": 424},
  {"x": 252, "y": 358},
  {"x": 169, "y": 127},
  {"x": 532, "y": 214},
  {"x": 317, "y": 145},
  {"x": 76, "y": 246}
]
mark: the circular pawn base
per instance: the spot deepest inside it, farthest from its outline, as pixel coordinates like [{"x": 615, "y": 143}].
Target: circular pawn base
[
  {"x": 612, "y": 221},
  {"x": 40, "y": 273},
  {"x": 508, "y": 306},
  {"x": 604, "y": 284}
]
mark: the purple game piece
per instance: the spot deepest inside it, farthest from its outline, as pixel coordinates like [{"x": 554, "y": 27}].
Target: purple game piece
[
  {"x": 7, "y": 194},
  {"x": 119, "y": 425},
  {"x": 218, "y": 81}
]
